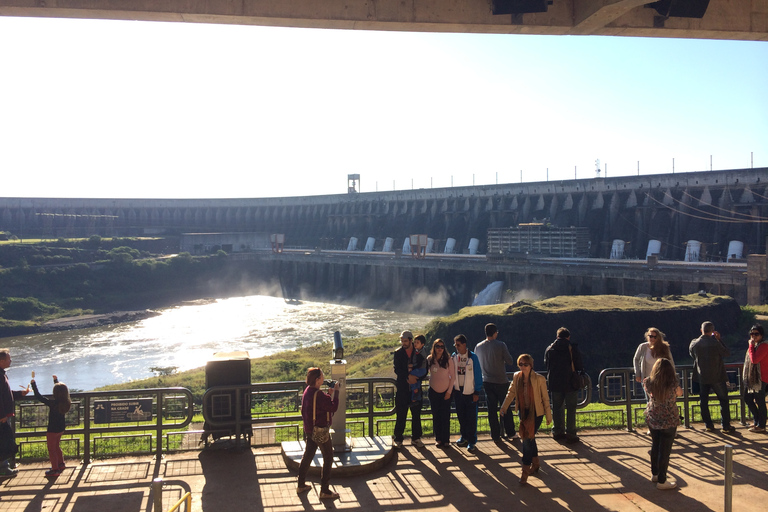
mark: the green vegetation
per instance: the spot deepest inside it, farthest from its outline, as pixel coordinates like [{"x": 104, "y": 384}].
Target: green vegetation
[
  {"x": 45, "y": 281},
  {"x": 366, "y": 357}
]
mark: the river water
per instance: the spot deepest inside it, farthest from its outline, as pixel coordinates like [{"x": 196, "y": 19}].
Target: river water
[{"x": 186, "y": 336}]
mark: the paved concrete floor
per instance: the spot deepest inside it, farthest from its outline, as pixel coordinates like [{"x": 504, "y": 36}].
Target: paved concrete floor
[{"x": 608, "y": 470}]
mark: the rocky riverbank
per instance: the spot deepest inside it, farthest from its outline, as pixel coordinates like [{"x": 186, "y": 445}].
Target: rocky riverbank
[{"x": 78, "y": 322}]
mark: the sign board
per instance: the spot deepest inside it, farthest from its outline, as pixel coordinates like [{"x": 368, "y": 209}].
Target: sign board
[{"x": 122, "y": 411}]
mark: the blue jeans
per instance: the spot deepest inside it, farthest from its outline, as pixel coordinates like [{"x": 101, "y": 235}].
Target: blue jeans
[
  {"x": 530, "y": 450},
  {"x": 466, "y": 412},
  {"x": 722, "y": 395},
  {"x": 661, "y": 449},
  {"x": 441, "y": 415},
  {"x": 403, "y": 404},
  {"x": 494, "y": 396},
  {"x": 559, "y": 402}
]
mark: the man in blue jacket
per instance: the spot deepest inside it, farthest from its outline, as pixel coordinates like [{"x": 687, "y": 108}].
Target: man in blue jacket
[{"x": 467, "y": 385}]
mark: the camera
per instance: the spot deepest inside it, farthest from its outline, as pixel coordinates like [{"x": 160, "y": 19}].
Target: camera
[{"x": 330, "y": 383}]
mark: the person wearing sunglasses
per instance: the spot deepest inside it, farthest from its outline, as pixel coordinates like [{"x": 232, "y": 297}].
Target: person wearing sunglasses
[
  {"x": 467, "y": 384},
  {"x": 755, "y": 377},
  {"x": 529, "y": 391},
  {"x": 441, "y": 375},
  {"x": 654, "y": 347}
]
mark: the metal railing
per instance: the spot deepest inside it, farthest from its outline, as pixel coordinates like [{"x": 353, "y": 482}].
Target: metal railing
[
  {"x": 617, "y": 386},
  {"x": 367, "y": 400},
  {"x": 169, "y": 405}
]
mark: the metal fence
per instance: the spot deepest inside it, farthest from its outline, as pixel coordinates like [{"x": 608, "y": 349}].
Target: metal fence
[
  {"x": 271, "y": 413},
  {"x": 90, "y": 433},
  {"x": 618, "y": 386}
]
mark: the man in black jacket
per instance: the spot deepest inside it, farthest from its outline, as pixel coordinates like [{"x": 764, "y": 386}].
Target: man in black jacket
[
  {"x": 402, "y": 359},
  {"x": 7, "y": 411},
  {"x": 558, "y": 358}
]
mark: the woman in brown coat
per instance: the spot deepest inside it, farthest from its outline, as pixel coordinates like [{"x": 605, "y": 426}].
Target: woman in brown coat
[{"x": 529, "y": 391}]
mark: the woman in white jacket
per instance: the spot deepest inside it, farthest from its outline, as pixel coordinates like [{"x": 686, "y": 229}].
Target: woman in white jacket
[
  {"x": 529, "y": 391},
  {"x": 654, "y": 348}
]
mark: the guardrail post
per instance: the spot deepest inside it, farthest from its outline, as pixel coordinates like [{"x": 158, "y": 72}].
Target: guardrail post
[
  {"x": 157, "y": 494},
  {"x": 370, "y": 409},
  {"x": 87, "y": 431},
  {"x": 628, "y": 388},
  {"x": 159, "y": 447},
  {"x": 728, "y": 463}
]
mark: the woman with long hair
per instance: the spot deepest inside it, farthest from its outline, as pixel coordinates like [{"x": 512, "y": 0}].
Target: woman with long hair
[
  {"x": 529, "y": 390},
  {"x": 663, "y": 417},
  {"x": 651, "y": 350},
  {"x": 317, "y": 408},
  {"x": 441, "y": 373},
  {"x": 755, "y": 377}
]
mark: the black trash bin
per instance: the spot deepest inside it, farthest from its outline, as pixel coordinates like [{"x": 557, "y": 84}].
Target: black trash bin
[{"x": 227, "y": 369}]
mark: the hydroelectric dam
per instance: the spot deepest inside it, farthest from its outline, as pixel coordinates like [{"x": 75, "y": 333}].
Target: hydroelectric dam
[{"x": 652, "y": 234}]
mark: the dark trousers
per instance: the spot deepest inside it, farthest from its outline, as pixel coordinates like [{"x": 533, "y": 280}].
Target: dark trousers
[
  {"x": 441, "y": 415},
  {"x": 495, "y": 395},
  {"x": 660, "y": 451},
  {"x": 561, "y": 401},
  {"x": 530, "y": 450},
  {"x": 466, "y": 412},
  {"x": 722, "y": 395},
  {"x": 309, "y": 453},
  {"x": 402, "y": 405},
  {"x": 755, "y": 401}
]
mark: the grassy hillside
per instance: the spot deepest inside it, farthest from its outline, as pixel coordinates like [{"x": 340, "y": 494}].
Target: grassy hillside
[
  {"x": 366, "y": 357},
  {"x": 608, "y": 328}
]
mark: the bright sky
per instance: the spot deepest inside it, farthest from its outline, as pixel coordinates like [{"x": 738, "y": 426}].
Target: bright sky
[{"x": 134, "y": 109}]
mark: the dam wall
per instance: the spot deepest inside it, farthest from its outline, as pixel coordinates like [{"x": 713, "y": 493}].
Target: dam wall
[{"x": 713, "y": 208}]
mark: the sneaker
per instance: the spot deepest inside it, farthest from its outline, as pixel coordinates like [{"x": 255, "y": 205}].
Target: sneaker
[
  {"x": 557, "y": 437},
  {"x": 472, "y": 448},
  {"x": 8, "y": 472},
  {"x": 329, "y": 495},
  {"x": 669, "y": 484},
  {"x": 397, "y": 444},
  {"x": 729, "y": 430},
  {"x": 515, "y": 436},
  {"x": 655, "y": 478},
  {"x": 462, "y": 443},
  {"x": 53, "y": 472},
  {"x": 303, "y": 488},
  {"x": 417, "y": 443},
  {"x": 710, "y": 429},
  {"x": 572, "y": 438},
  {"x": 757, "y": 429}
]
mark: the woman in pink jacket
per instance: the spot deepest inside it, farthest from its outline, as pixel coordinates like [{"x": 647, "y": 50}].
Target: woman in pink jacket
[{"x": 755, "y": 377}]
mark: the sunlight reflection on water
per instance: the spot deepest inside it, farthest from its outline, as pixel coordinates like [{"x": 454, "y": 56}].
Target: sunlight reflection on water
[{"x": 187, "y": 336}]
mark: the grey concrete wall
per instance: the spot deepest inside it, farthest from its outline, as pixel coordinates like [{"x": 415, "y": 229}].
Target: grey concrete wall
[{"x": 711, "y": 207}]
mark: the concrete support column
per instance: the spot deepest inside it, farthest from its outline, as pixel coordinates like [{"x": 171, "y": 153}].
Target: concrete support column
[{"x": 757, "y": 274}]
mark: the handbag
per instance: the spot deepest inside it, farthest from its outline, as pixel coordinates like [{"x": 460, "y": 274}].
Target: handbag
[
  {"x": 578, "y": 377},
  {"x": 320, "y": 435}
]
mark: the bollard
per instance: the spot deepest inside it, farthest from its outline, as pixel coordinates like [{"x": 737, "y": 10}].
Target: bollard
[
  {"x": 157, "y": 494},
  {"x": 728, "y": 463}
]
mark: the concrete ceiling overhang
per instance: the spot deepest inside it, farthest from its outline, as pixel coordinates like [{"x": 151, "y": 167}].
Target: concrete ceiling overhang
[{"x": 723, "y": 19}]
